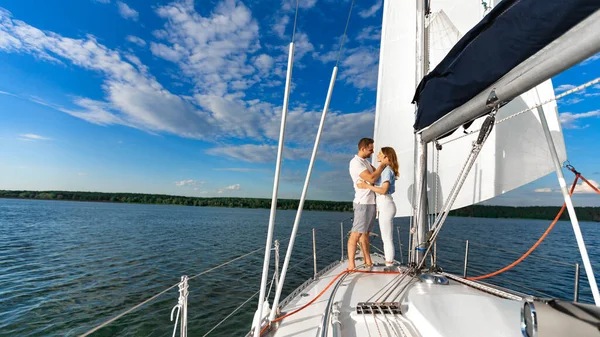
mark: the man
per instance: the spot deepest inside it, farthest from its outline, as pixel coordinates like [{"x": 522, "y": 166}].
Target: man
[{"x": 364, "y": 201}]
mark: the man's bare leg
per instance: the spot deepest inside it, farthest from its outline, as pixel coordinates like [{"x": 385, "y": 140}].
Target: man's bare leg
[
  {"x": 352, "y": 241},
  {"x": 366, "y": 248}
]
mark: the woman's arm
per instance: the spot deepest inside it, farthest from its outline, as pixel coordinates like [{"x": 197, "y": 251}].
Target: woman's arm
[
  {"x": 372, "y": 176},
  {"x": 377, "y": 189}
]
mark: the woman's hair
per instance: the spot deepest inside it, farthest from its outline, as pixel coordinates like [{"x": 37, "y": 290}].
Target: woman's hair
[{"x": 391, "y": 154}]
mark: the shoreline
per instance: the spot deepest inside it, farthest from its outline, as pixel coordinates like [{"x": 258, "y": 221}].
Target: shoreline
[{"x": 591, "y": 214}]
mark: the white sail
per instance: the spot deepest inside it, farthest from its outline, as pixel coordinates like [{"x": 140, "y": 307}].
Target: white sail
[
  {"x": 443, "y": 35},
  {"x": 394, "y": 114},
  {"x": 516, "y": 152}
]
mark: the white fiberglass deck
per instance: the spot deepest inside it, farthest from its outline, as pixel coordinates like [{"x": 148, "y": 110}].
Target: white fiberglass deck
[{"x": 432, "y": 310}]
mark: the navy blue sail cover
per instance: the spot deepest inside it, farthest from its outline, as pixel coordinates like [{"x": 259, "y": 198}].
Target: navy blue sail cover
[{"x": 511, "y": 33}]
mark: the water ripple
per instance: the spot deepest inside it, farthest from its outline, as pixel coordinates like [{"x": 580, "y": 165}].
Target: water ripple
[{"x": 66, "y": 267}]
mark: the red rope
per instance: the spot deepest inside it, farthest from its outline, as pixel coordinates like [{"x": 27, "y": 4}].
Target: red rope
[
  {"x": 323, "y": 291},
  {"x": 535, "y": 245}
]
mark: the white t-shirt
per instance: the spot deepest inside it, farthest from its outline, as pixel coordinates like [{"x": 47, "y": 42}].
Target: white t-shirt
[{"x": 361, "y": 195}]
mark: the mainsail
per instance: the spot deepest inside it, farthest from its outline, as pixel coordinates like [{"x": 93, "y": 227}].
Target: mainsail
[
  {"x": 394, "y": 114},
  {"x": 515, "y": 153}
]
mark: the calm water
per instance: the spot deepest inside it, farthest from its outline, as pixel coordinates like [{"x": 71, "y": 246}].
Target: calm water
[{"x": 66, "y": 267}]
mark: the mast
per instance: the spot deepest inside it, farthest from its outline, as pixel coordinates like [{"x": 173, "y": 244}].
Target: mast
[{"x": 420, "y": 178}]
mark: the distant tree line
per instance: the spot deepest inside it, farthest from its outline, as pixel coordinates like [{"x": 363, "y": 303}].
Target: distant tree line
[
  {"x": 531, "y": 212},
  {"x": 480, "y": 211},
  {"x": 136, "y": 198}
]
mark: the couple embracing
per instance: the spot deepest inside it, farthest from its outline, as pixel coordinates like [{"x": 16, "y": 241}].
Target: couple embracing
[{"x": 373, "y": 194}]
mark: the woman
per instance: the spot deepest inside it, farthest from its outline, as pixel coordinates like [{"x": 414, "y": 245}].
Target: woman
[{"x": 384, "y": 188}]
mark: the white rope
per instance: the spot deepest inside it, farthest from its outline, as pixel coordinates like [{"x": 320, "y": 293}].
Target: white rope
[
  {"x": 419, "y": 190},
  {"x": 392, "y": 326},
  {"x": 270, "y": 287},
  {"x": 566, "y": 93},
  {"x": 457, "y": 186},
  {"x": 181, "y": 305},
  {"x": 366, "y": 324},
  {"x": 437, "y": 178},
  {"x": 377, "y": 325},
  {"x": 231, "y": 314},
  {"x": 226, "y": 263},
  {"x": 344, "y": 35},
  {"x": 276, "y": 268},
  {"x": 162, "y": 292}
]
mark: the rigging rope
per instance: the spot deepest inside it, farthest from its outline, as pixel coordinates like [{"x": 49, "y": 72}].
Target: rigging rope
[
  {"x": 233, "y": 312},
  {"x": 344, "y": 35},
  {"x": 477, "y": 145},
  {"x": 581, "y": 87},
  {"x": 539, "y": 241},
  {"x": 162, "y": 292},
  {"x": 295, "y": 21}
]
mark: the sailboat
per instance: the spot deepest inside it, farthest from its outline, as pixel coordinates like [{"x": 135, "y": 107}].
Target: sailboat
[{"x": 484, "y": 123}]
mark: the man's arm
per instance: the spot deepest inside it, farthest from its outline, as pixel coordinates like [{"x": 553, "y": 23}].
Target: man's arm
[
  {"x": 372, "y": 177},
  {"x": 377, "y": 189}
]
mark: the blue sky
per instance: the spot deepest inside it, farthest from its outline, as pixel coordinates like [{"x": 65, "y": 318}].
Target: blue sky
[{"x": 184, "y": 98}]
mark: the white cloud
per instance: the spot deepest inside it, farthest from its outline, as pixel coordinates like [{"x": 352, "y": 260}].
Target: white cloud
[
  {"x": 593, "y": 94},
  {"x": 7, "y": 93},
  {"x": 570, "y": 101},
  {"x": 360, "y": 67},
  {"x": 564, "y": 87},
  {"x": 133, "y": 97},
  {"x": 369, "y": 33},
  {"x": 543, "y": 190},
  {"x": 189, "y": 182},
  {"x": 280, "y": 26},
  {"x": 136, "y": 40},
  {"x": 256, "y": 153},
  {"x": 584, "y": 188},
  {"x": 217, "y": 111},
  {"x": 165, "y": 52},
  {"x": 94, "y": 112},
  {"x": 591, "y": 59},
  {"x": 264, "y": 63},
  {"x": 82, "y": 174},
  {"x": 127, "y": 12},
  {"x": 329, "y": 56},
  {"x": 302, "y": 46},
  {"x": 371, "y": 10},
  {"x": 212, "y": 50},
  {"x": 568, "y": 119},
  {"x": 229, "y": 188},
  {"x": 241, "y": 169},
  {"x": 303, "y": 4},
  {"x": 32, "y": 137},
  {"x": 236, "y": 117}
]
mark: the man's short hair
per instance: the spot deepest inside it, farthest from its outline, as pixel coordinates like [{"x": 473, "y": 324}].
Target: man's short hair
[{"x": 364, "y": 142}]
